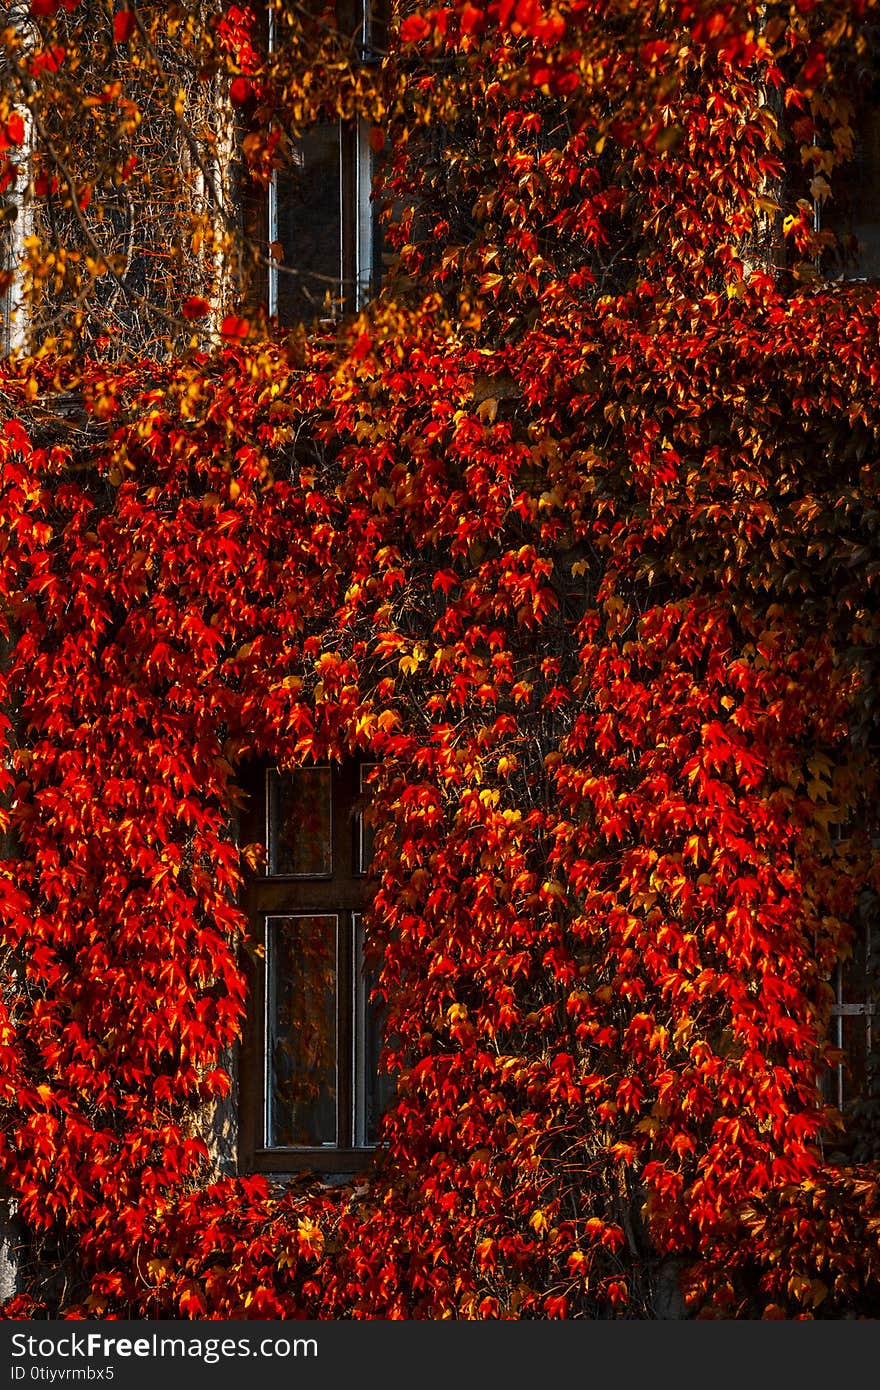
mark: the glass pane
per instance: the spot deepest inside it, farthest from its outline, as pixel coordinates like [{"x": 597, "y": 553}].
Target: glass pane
[
  {"x": 300, "y": 829},
  {"x": 310, "y": 227},
  {"x": 301, "y": 974},
  {"x": 834, "y": 1078},
  {"x": 852, "y": 211},
  {"x": 374, "y": 1089},
  {"x": 853, "y": 993},
  {"x": 363, "y": 830},
  {"x": 850, "y": 1028},
  {"x": 375, "y": 36}
]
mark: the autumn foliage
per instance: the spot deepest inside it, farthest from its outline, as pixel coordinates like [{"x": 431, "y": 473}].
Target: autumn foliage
[{"x": 574, "y": 533}]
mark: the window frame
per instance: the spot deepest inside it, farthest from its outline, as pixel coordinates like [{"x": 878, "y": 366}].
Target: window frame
[
  {"x": 344, "y": 895},
  {"x": 359, "y": 239},
  {"x": 844, "y": 1087}
]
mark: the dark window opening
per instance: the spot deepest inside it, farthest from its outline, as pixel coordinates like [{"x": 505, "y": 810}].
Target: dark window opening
[
  {"x": 852, "y": 1083},
  {"x": 312, "y": 1093},
  {"x": 851, "y": 209}
]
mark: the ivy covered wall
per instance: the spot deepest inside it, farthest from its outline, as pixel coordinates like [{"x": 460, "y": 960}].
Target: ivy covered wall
[{"x": 573, "y": 532}]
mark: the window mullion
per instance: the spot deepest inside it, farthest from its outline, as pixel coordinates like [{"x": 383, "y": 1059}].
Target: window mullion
[
  {"x": 348, "y": 207},
  {"x": 344, "y": 1032}
]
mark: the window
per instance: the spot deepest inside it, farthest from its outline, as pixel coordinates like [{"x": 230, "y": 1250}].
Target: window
[
  {"x": 311, "y": 1091},
  {"x": 853, "y": 1027},
  {"x": 851, "y": 209},
  {"x": 322, "y": 225}
]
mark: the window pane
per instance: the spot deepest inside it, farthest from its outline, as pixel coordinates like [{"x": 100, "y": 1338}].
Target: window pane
[
  {"x": 851, "y": 1028},
  {"x": 363, "y": 830},
  {"x": 301, "y": 975},
  {"x": 374, "y": 1089},
  {"x": 852, "y": 211},
  {"x": 852, "y": 994},
  {"x": 310, "y": 226},
  {"x": 300, "y": 816}
]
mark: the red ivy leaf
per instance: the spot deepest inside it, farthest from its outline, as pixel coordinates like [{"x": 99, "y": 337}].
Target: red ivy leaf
[
  {"x": 239, "y": 91},
  {"x": 234, "y": 329},
  {"x": 196, "y": 308},
  {"x": 123, "y": 26},
  {"x": 15, "y": 129},
  {"x": 414, "y": 28}
]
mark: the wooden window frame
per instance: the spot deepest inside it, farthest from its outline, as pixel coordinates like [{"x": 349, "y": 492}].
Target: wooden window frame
[{"x": 343, "y": 894}]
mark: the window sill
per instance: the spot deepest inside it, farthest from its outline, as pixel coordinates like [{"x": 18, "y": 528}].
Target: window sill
[{"x": 312, "y": 1160}]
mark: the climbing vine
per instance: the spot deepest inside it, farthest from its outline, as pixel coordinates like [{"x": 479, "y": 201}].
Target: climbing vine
[{"x": 573, "y": 533}]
